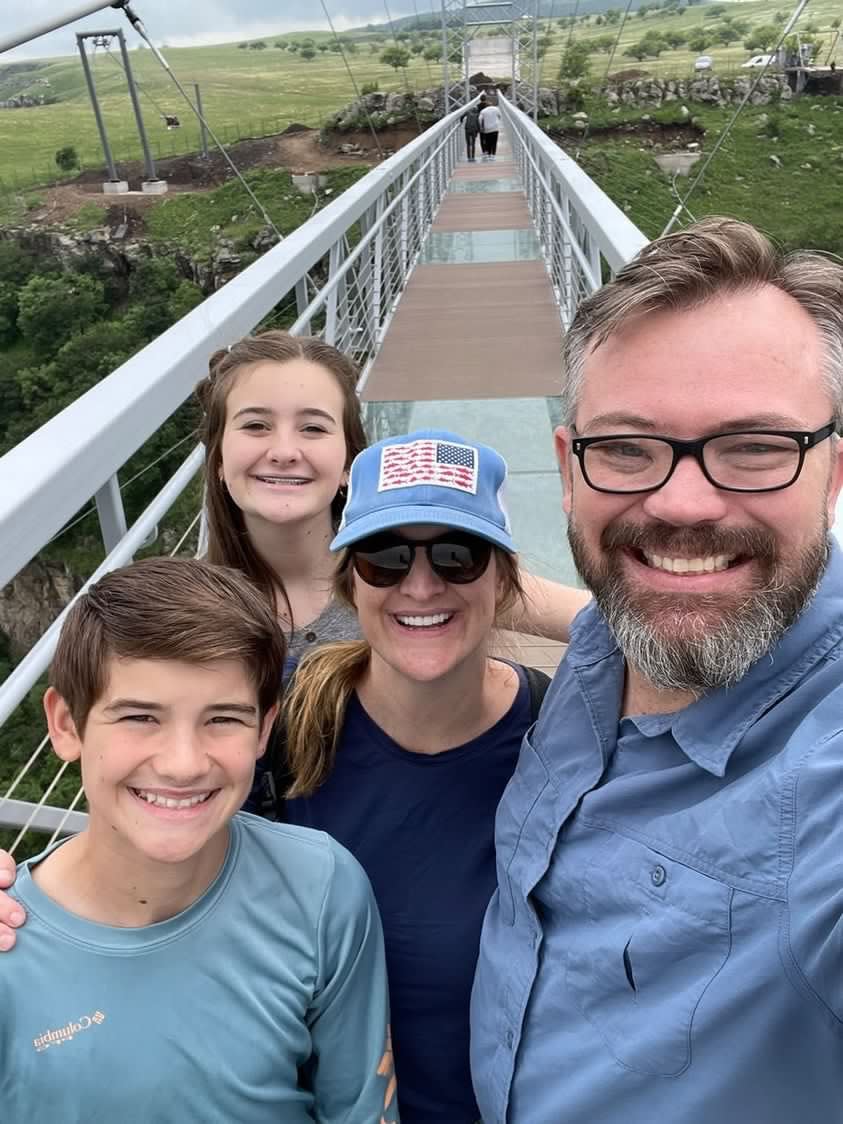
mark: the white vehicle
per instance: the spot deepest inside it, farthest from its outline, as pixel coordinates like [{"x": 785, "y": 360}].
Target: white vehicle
[
  {"x": 704, "y": 62},
  {"x": 758, "y": 61}
]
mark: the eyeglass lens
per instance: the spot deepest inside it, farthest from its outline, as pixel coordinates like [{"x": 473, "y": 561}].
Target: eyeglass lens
[
  {"x": 744, "y": 461},
  {"x": 387, "y": 560}
]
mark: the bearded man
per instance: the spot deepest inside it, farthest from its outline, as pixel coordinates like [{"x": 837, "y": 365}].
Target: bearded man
[{"x": 666, "y": 939}]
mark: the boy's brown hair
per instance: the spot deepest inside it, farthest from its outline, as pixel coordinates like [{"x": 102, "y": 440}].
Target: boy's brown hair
[{"x": 166, "y": 609}]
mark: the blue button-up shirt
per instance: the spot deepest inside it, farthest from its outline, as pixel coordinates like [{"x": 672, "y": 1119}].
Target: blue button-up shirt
[{"x": 665, "y": 945}]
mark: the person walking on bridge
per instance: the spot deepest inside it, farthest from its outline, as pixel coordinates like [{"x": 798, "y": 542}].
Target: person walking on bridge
[
  {"x": 471, "y": 120},
  {"x": 490, "y": 123}
]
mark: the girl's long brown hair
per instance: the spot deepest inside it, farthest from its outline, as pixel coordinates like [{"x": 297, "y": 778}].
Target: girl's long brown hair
[
  {"x": 228, "y": 541},
  {"x": 314, "y": 707}
]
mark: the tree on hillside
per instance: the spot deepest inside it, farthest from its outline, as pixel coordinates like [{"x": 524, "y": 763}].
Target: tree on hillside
[
  {"x": 612, "y": 16},
  {"x": 575, "y": 61},
  {"x": 762, "y": 38},
  {"x": 52, "y": 309},
  {"x": 675, "y": 39},
  {"x": 16, "y": 264},
  {"x": 650, "y": 46},
  {"x": 603, "y": 43},
  {"x": 396, "y": 57},
  {"x": 84, "y": 359},
  {"x": 307, "y": 53},
  {"x": 699, "y": 39},
  {"x": 726, "y": 33},
  {"x": 258, "y": 45},
  {"x": 433, "y": 53}
]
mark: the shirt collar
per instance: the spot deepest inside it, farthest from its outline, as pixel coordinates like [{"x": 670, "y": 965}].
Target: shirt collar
[{"x": 709, "y": 730}]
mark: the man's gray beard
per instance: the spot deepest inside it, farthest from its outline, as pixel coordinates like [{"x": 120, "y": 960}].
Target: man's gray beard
[{"x": 699, "y": 643}]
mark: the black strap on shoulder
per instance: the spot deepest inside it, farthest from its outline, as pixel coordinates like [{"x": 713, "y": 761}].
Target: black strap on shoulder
[{"x": 538, "y": 683}]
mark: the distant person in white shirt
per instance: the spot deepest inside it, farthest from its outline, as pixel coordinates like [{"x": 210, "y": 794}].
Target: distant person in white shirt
[{"x": 490, "y": 123}]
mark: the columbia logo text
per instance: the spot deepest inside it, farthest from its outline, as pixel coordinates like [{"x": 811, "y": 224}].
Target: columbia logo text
[{"x": 68, "y": 1032}]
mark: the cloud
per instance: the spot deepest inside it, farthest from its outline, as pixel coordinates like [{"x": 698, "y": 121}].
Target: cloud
[{"x": 174, "y": 21}]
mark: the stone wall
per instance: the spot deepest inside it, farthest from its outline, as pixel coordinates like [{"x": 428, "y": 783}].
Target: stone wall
[{"x": 708, "y": 89}]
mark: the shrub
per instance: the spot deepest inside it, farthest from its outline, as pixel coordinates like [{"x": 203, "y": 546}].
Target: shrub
[{"x": 67, "y": 158}]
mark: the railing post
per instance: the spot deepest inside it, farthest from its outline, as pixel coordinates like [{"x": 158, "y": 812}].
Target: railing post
[
  {"x": 569, "y": 302},
  {"x": 301, "y": 301},
  {"x": 110, "y": 512},
  {"x": 404, "y": 228},
  {"x": 421, "y": 204},
  {"x": 334, "y": 261},
  {"x": 377, "y": 269}
]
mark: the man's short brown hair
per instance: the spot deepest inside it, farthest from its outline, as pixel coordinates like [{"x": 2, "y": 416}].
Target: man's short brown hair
[
  {"x": 166, "y": 609},
  {"x": 689, "y": 267}
]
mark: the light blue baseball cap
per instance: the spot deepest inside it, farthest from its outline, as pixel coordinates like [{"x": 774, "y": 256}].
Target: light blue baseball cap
[{"x": 430, "y": 476}]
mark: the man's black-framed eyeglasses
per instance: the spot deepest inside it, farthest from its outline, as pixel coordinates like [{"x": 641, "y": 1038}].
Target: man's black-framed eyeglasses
[{"x": 743, "y": 461}]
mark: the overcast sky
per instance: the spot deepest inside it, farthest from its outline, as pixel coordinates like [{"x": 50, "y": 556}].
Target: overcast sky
[{"x": 183, "y": 23}]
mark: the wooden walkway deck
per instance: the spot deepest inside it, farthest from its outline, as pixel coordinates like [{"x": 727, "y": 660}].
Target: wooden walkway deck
[
  {"x": 478, "y": 321},
  {"x": 478, "y": 318}
]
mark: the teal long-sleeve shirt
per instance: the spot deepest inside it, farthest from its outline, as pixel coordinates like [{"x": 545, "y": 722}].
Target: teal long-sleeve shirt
[{"x": 266, "y": 1000}]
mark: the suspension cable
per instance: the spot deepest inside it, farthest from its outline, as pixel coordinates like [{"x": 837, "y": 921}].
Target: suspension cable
[
  {"x": 621, "y": 26},
  {"x": 119, "y": 64},
  {"x": 682, "y": 205},
  {"x": 358, "y": 95},
  {"x": 141, "y": 30}
]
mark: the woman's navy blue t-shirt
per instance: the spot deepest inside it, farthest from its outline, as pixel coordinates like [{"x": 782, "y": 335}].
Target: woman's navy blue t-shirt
[{"x": 422, "y": 827}]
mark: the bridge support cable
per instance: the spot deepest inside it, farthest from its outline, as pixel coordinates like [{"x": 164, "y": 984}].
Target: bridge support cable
[
  {"x": 353, "y": 80},
  {"x": 136, "y": 23},
  {"x": 682, "y": 205}
]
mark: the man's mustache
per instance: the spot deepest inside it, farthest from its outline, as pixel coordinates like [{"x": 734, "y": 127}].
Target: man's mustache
[{"x": 697, "y": 541}]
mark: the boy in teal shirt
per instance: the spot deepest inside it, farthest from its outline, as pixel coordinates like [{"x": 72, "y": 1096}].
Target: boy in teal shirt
[{"x": 186, "y": 962}]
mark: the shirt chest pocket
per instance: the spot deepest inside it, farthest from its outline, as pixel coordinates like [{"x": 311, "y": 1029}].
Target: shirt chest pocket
[{"x": 657, "y": 934}]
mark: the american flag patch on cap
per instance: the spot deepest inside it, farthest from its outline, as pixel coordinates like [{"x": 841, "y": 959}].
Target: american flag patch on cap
[{"x": 429, "y": 462}]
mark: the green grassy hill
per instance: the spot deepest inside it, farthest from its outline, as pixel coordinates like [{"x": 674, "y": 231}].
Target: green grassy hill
[
  {"x": 247, "y": 92},
  {"x": 680, "y": 62},
  {"x": 244, "y": 92}
]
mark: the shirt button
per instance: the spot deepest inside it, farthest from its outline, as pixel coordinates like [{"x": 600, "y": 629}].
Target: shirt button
[
  {"x": 658, "y": 875},
  {"x": 310, "y": 637},
  {"x": 510, "y": 1038}
]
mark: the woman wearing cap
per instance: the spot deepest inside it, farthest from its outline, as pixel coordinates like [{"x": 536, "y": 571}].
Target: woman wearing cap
[{"x": 400, "y": 745}]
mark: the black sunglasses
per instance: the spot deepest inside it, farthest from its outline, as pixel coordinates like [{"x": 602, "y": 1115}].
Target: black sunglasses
[{"x": 386, "y": 559}]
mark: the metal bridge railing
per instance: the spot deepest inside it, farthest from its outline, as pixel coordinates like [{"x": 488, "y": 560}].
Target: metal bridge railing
[
  {"x": 584, "y": 236},
  {"x": 362, "y": 247},
  {"x": 364, "y": 244}
]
